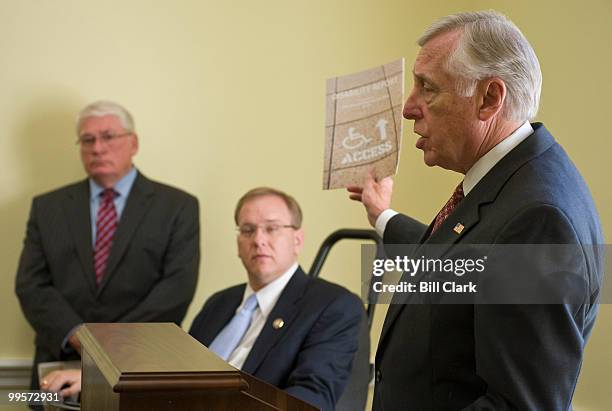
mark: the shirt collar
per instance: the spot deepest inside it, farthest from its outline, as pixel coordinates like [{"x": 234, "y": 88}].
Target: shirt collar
[
  {"x": 269, "y": 295},
  {"x": 488, "y": 161},
  {"x": 122, "y": 188}
]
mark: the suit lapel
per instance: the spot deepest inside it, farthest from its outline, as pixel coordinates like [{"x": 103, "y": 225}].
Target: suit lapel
[
  {"x": 136, "y": 207},
  {"x": 467, "y": 212},
  {"x": 445, "y": 237},
  {"x": 286, "y": 308},
  {"x": 221, "y": 314},
  {"x": 79, "y": 220}
]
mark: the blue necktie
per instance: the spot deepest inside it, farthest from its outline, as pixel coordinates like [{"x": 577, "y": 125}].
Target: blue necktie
[{"x": 228, "y": 339}]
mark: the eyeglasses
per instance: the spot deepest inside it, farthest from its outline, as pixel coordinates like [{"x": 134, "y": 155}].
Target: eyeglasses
[
  {"x": 87, "y": 141},
  {"x": 271, "y": 230}
]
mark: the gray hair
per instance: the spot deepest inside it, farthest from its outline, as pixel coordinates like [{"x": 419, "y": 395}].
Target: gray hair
[
  {"x": 492, "y": 46},
  {"x": 103, "y": 108}
]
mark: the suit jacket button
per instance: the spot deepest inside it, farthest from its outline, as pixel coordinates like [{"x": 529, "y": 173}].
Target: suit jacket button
[{"x": 378, "y": 376}]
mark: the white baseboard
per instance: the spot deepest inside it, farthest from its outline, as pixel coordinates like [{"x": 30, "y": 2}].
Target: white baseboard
[{"x": 15, "y": 373}]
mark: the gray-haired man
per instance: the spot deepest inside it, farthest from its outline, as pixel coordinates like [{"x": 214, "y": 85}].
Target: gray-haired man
[
  {"x": 115, "y": 247},
  {"x": 476, "y": 86}
]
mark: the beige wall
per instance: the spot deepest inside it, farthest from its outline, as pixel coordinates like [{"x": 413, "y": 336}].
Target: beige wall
[{"x": 230, "y": 96}]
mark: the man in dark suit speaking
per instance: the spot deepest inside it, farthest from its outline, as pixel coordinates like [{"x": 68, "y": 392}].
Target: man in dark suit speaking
[
  {"x": 292, "y": 331},
  {"x": 115, "y": 247},
  {"x": 476, "y": 86}
]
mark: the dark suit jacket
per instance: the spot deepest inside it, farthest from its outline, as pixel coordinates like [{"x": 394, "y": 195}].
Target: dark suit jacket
[
  {"x": 310, "y": 357},
  {"x": 152, "y": 268},
  {"x": 497, "y": 357}
]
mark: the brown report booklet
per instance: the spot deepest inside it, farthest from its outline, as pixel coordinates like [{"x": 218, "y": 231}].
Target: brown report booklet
[{"x": 363, "y": 125}]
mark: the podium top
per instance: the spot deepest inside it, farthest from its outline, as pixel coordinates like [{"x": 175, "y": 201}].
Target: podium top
[{"x": 133, "y": 356}]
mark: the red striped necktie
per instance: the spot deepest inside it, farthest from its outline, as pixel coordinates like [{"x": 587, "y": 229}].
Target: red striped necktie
[
  {"x": 448, "y": 207},
  {"x": 106, "y": 224}
]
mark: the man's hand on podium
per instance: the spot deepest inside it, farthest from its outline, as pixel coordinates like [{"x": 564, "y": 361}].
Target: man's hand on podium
[{"x": 66, "y": 382}]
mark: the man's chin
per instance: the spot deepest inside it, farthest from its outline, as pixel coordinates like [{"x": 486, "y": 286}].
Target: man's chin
[
  {"x": 261, "y": 269},
  {"x": 98, "y": 172},
  {"x": 429, "y": 159},
  {"x": 261, "y": 277},
  {"x": 102, "y": 177}
]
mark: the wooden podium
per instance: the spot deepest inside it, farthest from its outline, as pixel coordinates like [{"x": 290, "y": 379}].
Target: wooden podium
[{"x": 157, "y": 366}]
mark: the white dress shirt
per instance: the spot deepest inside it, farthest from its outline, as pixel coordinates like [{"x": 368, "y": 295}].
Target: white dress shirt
[
  {"x": 266, "y": 300},
  {"x": 476, "y": 172}
]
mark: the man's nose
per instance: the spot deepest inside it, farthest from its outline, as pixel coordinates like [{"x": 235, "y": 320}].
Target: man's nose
[
  {"x": 98, "y": 145},
  {"x": 411, "y": 108},
  {"x": 260, "y": 236}
]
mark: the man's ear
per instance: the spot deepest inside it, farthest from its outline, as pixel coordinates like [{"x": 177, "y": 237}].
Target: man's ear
[
  {"x": 493, "y": 95},
  {"x": 298, "y": 239},
  {"x": 135, "y": 145}
]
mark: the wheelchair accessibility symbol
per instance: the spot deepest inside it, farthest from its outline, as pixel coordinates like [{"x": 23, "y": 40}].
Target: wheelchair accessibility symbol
[{"x": 354, "y": 139}]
